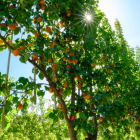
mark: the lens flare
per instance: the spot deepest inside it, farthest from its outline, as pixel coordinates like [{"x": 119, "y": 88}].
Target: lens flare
[{"x": 88, "y": 17}]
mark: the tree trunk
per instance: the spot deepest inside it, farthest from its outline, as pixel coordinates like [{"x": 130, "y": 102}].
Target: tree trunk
[{"x": 71, "y": 130}]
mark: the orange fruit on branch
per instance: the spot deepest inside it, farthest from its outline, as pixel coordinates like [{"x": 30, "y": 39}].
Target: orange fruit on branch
[
  {"x": 108, "y": 70},
  {"x": 107, "y": 87},
  {"x": 75, "y": 61},
  {"x": 20, "y": 106},
  {"x": 60, "y": 91},
  {"x": 79, "y": 86},
  {"x": 36, "y": 35},
  {"x": 12, "y": 27},
  {"x": 70, "y": 61},
  {"x": 49, "y": 60},
  {"x": 22, "y": 47},
  {"x": 68, "y": 14},
  {"x": 94, "y": 111},
  {"x": 59, "y": 105},
  {"x": 101, "y": 118},
  {"x": 88, "y": 97},
  {"x": 16, "y": 52},
  {"x": 39, "y": 19},
  {"x": 71, "y": 53},
  {"x": 44, "y": 35},
  {"x": 50, "y": 89},
  {"x": 43, "y": 7},
  {"x": 42, "y": 2},
  {"x": 48, "y": 29},
  {"x": 54, "y": 66},
  {"x": 1, "y": 42},
  {"x": 55, "y": 78},
  {"x": 92, "y": 64},
  {"x": 35, "y": 57},
  {"x": 64, "y": 59},
  {"x": 65, "y": 84}
]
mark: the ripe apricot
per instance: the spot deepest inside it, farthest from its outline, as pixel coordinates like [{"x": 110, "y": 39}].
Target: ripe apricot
[
  {"x": 106, "y": 57},
  {"x": 84, "y": 94},
  {"x": 94, "y": 105},
  {"x": 60, "y": 91},
  {"x": 16, "y": 52},
  {"x": 61, "y": 25},
  {"x": 92, "y": 64},
  {"x": 42, "y": 2},
  {"x": 107, "y": 87},
  {"x": 79, "y": 86},
  {"x": 11, "y": 5},
  {"x": 79, "y": 111},
  {"x": 59, "y": 105},
  {"x": 64, "y": 59},
  {"x": 12, "y": 27},
  {"x": 108, "y": 70},
  {"x": 61, "y": 22},
  {"x": 34, "y": 19},
  {"x": 22, "y": 47},
  {"x": 20, "y": 106},
  {"x": 50, "y": 89},
  {"x": 49, "y": 60},
  {"x": 94, "y": 111},
  {"x": 48, "y": 29},
  {"x": 36, "y": 35},
  {"x": 57, "y": 24},
  {"x": 54, "y": 66},
  {"x": 69, "y": 66},
  {"x": 55, "y": 78},
  {"x": 75, "y": 61},
  {"x": 65, "y": 84},
  {"x": 44, "y": 35},
  {"x": 47, "y": 12},
  {"x": 3, "y": 24},
  {"x": 101, "y": 60},
  {"x": 42, "y": 7},
  {"x": 87, "y": 96},
  {"x": 67, "y": 50},
  {"x": 68, "y": 14},
  {"x": 116, "y": 94},
  {"x": 39, "y": 19},
  {"x": 1, "y": 42},
  {"x": 71, "y": 53},
  {"x": 101, "y": 118},
  {"x": 70, "y": 61},
  {"x": 35, "y": 57}
]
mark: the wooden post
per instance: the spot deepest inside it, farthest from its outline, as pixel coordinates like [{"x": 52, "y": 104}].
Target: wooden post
[
  {"x": 54, "y": 63},
  {"x": 35, "y": 85},
  {"x": 4, "y": 103}
]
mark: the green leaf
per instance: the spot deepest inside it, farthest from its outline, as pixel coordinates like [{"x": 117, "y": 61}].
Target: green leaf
[
  {"x": 22, "y": 59},
  {"x": 26, "y": 56},
  {"x": 19, "y": 86},
  {"x": 41, "y": 93},
  {"x": 41, "y": 76},
  {"x": 15, "y": 99},
  {"x": 82, "y": 116},
  {"x": 17, "y": 30}
]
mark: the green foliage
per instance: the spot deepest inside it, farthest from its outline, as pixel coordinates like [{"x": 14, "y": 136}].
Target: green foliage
[{"x": 106, "y": 71}]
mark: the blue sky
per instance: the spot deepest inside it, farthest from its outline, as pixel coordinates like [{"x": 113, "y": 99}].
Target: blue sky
[{"x": 127, "y": 12}]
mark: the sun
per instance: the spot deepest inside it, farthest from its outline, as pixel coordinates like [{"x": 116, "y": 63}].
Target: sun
[{"x": 88, "y": 17}]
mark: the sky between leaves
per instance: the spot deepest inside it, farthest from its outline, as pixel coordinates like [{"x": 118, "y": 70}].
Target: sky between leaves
[{"x": 127, "y": 12}]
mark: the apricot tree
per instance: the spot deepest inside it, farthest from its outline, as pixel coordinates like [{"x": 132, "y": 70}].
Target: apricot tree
[{"x": 90, "y": 69}]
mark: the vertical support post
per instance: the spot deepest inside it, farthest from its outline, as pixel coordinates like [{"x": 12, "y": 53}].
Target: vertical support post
[
  {"x": 53, "y": 63},
  {"x": 6, "y": 82},
  {"x": 35, "y": 85}
]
